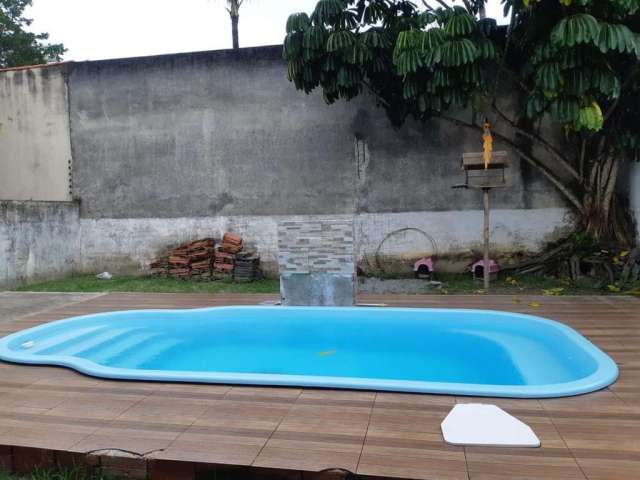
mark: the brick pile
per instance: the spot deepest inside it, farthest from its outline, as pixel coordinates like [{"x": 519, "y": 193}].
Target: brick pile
[
  {"x": 189, "y": 260},
  {"x": 205, "y": 260}
]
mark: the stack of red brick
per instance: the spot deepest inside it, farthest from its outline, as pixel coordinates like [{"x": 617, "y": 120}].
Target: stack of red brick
[
  {"x": 226, "y": 253},
  {"x": 202, "y": 259},
  {"x": 189, "y": 260}
]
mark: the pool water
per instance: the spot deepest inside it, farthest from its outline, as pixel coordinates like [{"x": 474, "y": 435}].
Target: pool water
[{"x": 466, "y": 352}]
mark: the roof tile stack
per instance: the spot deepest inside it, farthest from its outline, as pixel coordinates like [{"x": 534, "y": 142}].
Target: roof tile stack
[
  {"x": 204, "y": 260},
  {"x": 189, "y": 260}
]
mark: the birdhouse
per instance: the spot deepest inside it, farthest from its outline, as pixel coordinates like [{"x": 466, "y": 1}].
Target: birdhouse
[
  {"x": 423, "y": 268},
  {"x": 477, "y": 269},
  {"x": 481, "y": 174}
]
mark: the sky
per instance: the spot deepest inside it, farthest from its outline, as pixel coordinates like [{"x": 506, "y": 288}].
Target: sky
[{"x": 101, "y": 29}]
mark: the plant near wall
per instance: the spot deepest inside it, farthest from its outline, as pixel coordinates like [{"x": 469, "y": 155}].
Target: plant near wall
[
  {"x": 18, "y": 46},
  {"x": 573, "y": 63}
]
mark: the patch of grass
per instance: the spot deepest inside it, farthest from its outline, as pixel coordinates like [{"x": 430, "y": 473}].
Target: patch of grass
[
  {"x": 461, "y": 284},
  {"x": 78, "y": 473},
  {"x": 525, "y": 285},
  {"x": 149, "y": 284}
]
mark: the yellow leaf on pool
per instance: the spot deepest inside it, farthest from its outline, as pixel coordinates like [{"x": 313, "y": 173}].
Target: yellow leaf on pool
[{"x": 326, "y": 353}]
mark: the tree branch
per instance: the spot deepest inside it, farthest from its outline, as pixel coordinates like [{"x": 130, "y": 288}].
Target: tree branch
[
  {"x": 564, "y": 161},
  {"x": 375, "y": 93},
  {"x": 575, "y": 201}
]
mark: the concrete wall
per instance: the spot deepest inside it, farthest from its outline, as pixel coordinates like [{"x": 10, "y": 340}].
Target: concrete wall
[
  {"x": 177, "y": 147},
  {"x": 38, "y": 241},
  {"x": 35, "y": 150},
  {"x": 130, "y": 244},
  {"x": 224, "y": 133}
]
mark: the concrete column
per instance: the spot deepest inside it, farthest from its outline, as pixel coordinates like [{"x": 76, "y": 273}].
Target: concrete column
[{"x": 316, "y": 260}]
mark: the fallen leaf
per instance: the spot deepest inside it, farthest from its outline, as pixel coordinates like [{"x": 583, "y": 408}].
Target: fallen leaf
[
  {"x": 553, "y": 292},
  {"x": 326, "y": 353},
  {"x": 534, "y": 304}
]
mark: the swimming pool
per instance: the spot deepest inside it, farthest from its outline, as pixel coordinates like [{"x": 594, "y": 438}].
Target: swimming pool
[{"x": 460, "y": 352}]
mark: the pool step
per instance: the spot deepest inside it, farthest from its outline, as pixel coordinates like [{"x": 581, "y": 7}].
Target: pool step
[
  {"x": 93, "y": 342},
  {"x": 58, "y": 342},
  {"x": 119, "y": 346},
  {"x": 139, "y": 352}
]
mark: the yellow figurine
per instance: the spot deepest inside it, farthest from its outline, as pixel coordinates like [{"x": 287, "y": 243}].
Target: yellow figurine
[{"x": 488, "y": 144}]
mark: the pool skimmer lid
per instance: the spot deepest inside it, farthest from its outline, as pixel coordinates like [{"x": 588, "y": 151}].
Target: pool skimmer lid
[{"x": 486, "y": 425}]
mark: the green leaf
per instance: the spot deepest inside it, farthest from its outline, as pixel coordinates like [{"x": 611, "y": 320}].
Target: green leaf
[
  {"x": 575, "y": 30},
  {"x": 328, "y": 11},
  {"x": 486, "y": 49},
  {"x": 292, "y": 45},
  {"x": 617, "y": 37},
  {"x": 548, "y": 76},
  {"x": 408, "y": 61},
  {"x": 577, "y": 81},
  {"x": 297, "y": 21},
  {"x": 590, "y": 118},
  {"x": 565, "y": 110},
  {"x": 458, "y": 52},
  {"x": 606, "y": 82},
  {"x": 339, "y": 40},
  {"x": 374, "y": 39},
  {"x": 536, "y": 105},
  {"x": 460, "y": 24},
  {"x": 432, "y": 38}
]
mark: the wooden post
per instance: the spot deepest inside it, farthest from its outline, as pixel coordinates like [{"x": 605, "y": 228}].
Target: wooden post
[{"x": 487, "y": 272}]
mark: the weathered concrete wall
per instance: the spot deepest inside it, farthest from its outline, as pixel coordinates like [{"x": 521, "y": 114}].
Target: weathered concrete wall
[
  {"x": 177, "y": 147},
  {"x": 224, "y": 133},
  {"x": 130, "y": 244},
  {"x": 38, "y": 241},
  {"x": 35, "y": 151}
]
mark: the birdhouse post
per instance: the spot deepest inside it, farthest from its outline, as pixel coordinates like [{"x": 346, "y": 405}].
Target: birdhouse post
[{"x": 485, "y": 170}]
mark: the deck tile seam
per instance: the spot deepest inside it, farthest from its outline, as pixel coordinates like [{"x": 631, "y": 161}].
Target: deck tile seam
[
  {"x": 180, "y": 431},
  {"x": 276, "y": 427},
  {"x": 366, "y": 433},
  {"x": 571, "y": 452},
  {"x": 60, "y": 307},
  {"x": 620, "y": 398}
]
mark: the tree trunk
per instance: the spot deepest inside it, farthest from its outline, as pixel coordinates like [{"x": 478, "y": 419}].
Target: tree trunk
[
  {"x": 604, "y": 217},
  {"x": 234, "y": 31}
]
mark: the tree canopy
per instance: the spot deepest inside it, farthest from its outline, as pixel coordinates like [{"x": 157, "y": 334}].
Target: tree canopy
[
  {"x": 18, "y": 46},
  {"x": 573, "y": 62}
]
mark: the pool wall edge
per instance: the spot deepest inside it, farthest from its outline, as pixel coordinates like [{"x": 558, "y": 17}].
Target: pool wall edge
[{"x": 605, "y": 374}]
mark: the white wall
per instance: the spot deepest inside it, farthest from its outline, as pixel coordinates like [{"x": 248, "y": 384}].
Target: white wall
[
  {"x": 38, "y": 241},
  {"x": 35, "y": 148}
]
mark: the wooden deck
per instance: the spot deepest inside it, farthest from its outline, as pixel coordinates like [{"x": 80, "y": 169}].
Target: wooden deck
[{"x": 594, "y": 436}]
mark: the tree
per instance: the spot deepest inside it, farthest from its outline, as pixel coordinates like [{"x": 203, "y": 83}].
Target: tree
[
  {"x": 19, "y": 47},
  {"x": 233, "y": 7},
  {"x": 573, "y": 66}
]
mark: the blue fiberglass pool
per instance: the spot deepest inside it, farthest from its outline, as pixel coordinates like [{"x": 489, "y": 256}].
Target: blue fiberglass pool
[{"x": 461, "y": 352}]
